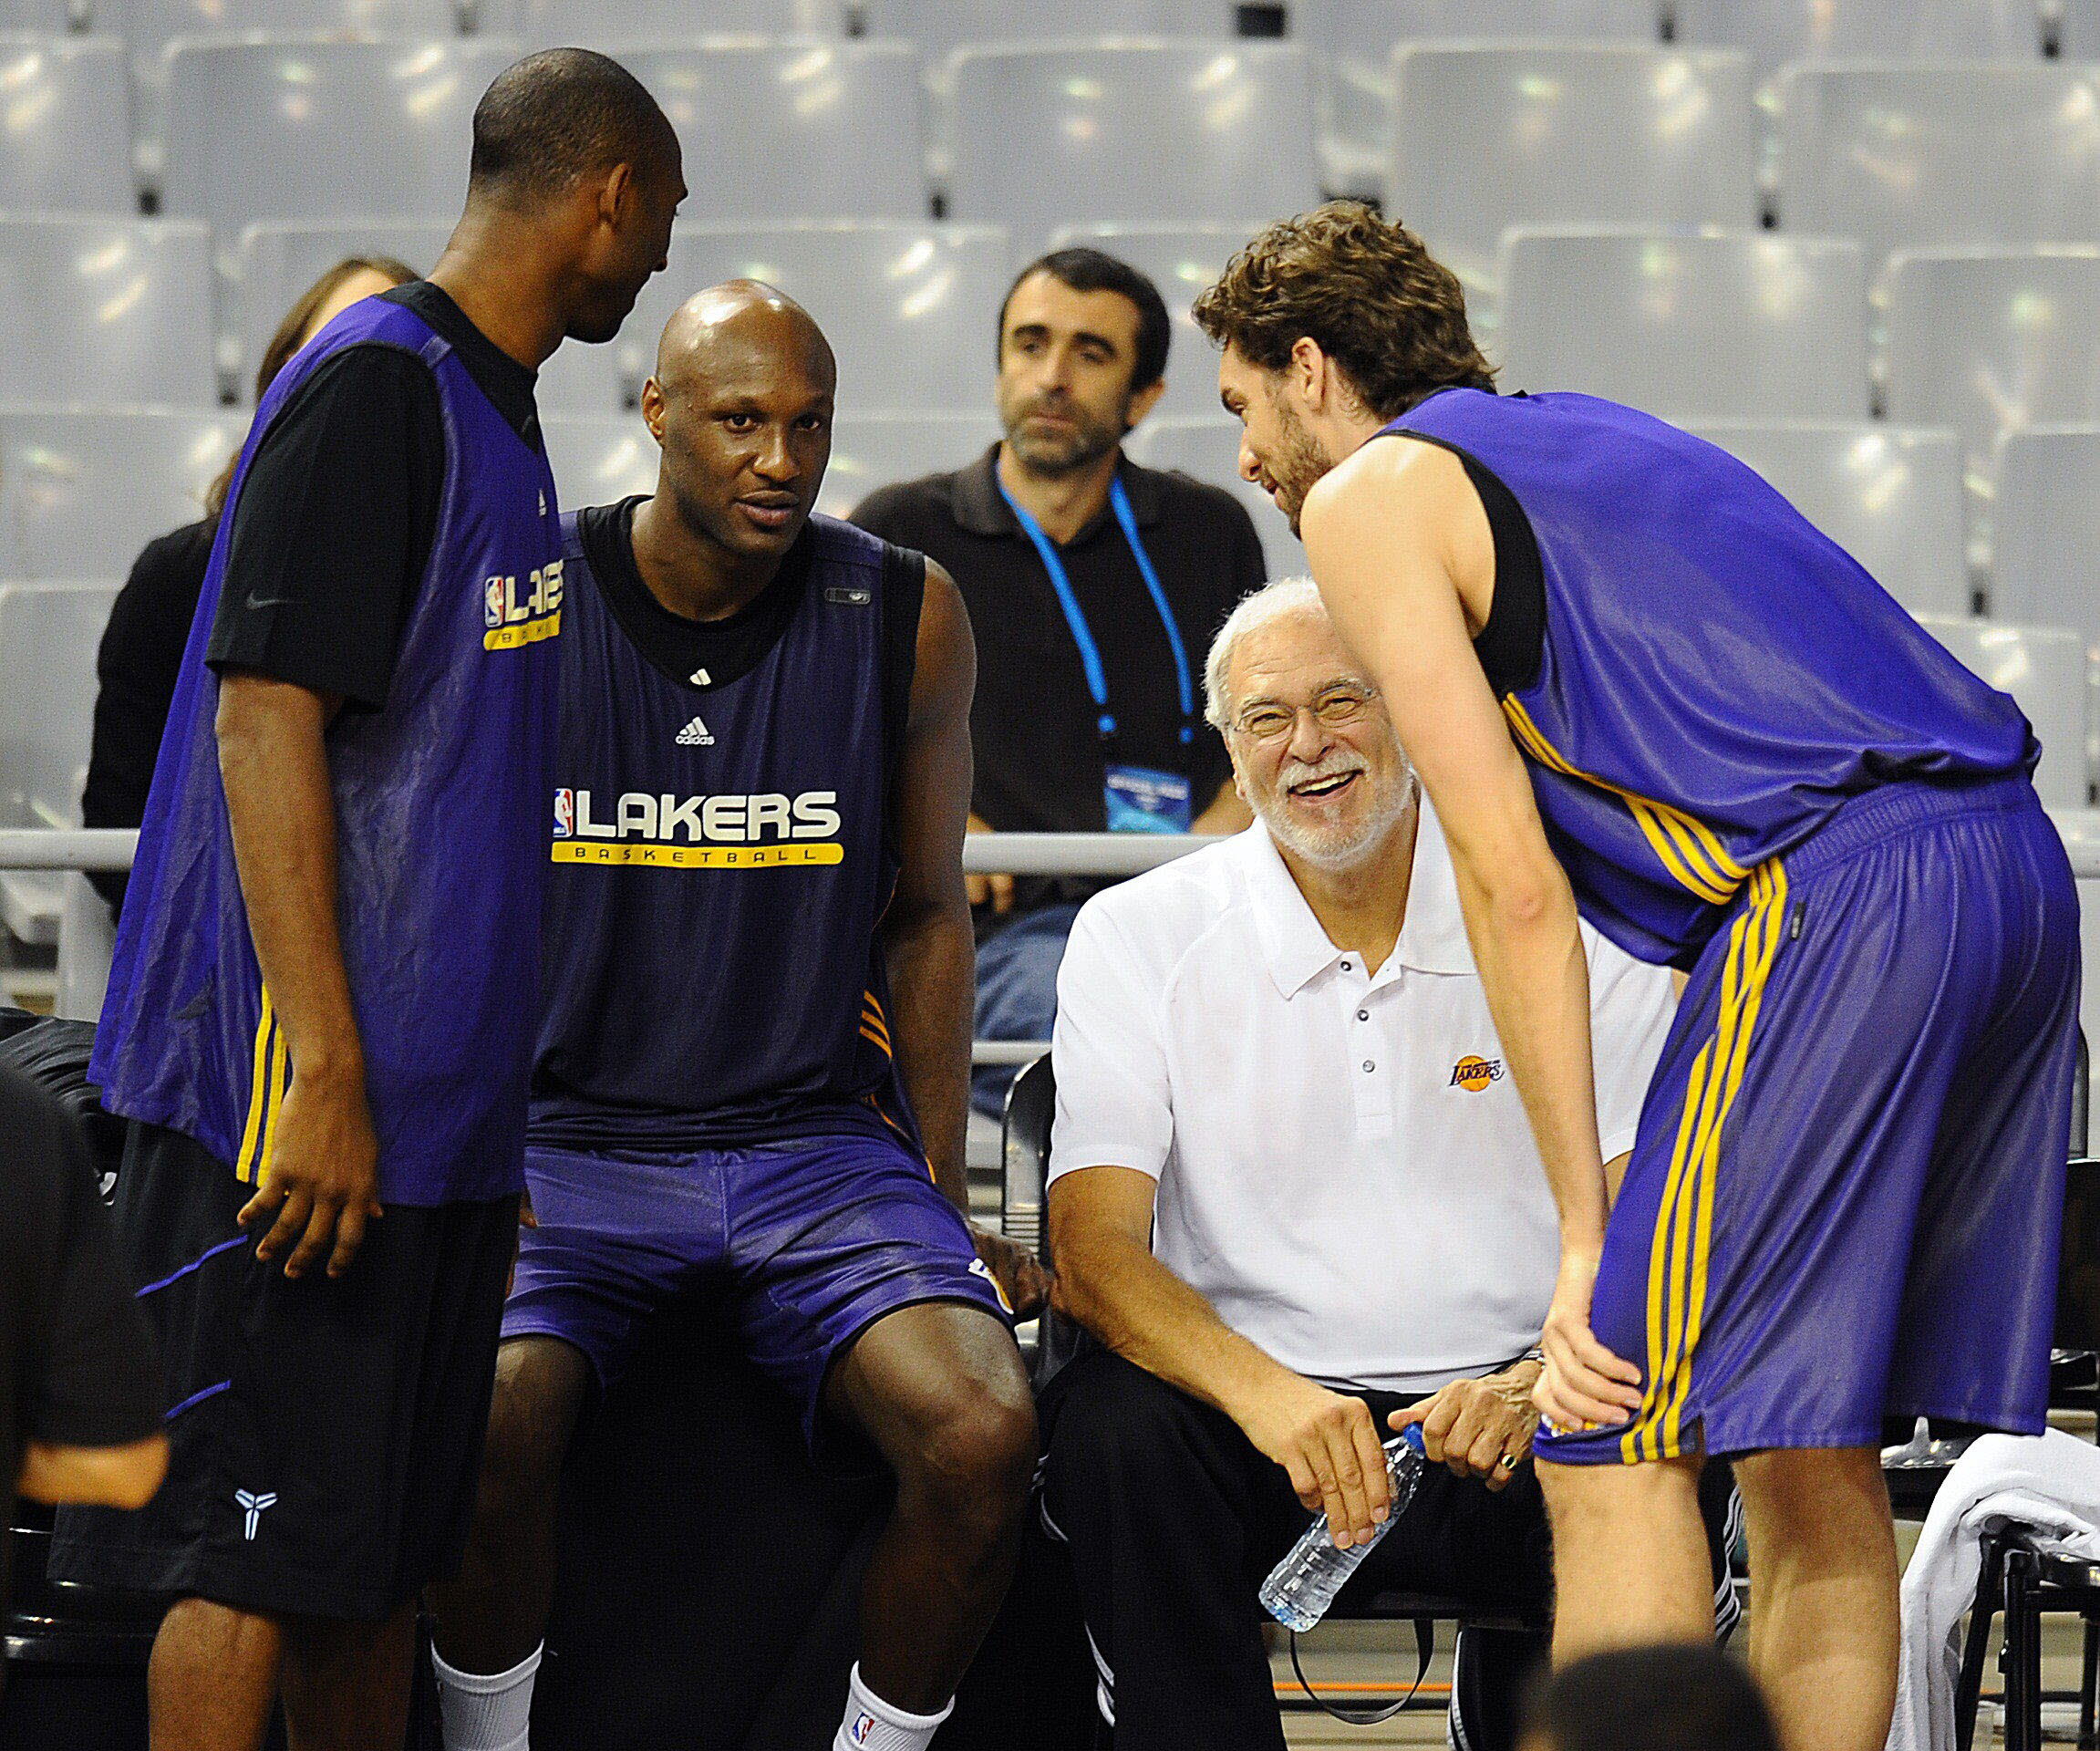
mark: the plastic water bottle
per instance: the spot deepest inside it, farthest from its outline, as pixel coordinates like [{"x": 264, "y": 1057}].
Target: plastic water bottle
[{"x": 1302, "y": 1586}]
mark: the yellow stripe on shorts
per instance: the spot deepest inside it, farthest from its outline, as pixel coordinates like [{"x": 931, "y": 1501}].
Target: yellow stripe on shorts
[{"x": 1681, "y": 1250}]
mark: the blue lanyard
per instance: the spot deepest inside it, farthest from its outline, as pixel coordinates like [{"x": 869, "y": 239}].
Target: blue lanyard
[{"x": 1082, "y": 635}]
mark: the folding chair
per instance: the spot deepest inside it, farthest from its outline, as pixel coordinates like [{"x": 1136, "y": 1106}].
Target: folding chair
[{"x": 2019, "y": 1577}]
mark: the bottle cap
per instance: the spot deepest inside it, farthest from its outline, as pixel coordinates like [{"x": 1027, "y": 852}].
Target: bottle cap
[{"x": 1411, "y": 1435}]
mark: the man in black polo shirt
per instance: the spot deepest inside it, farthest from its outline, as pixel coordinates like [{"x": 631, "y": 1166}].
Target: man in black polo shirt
[{"x": 1093, "y": 586}]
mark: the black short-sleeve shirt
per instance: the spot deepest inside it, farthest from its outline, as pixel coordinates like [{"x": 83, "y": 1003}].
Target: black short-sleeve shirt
[
  {"x": 1041, "y": 760},
  {"x": 76, "y": 1361},
  {"x": 337, "y": 514}
]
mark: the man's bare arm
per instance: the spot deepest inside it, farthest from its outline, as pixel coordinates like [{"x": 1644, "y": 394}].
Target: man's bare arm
[
  {"x": 1397, "y": 537},
  {"x": 323, "y": 1183},
  {"x": 929, "y": 950},
  {"x": 119, "y": 1477},
  {"x": 1109, "y": 1281}
]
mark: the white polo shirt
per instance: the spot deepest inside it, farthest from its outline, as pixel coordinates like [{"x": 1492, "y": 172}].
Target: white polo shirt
[{"x": 1345, "y": 1170}]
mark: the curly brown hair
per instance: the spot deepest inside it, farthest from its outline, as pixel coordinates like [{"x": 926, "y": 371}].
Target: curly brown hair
[{"x": 1365, "y": 289}]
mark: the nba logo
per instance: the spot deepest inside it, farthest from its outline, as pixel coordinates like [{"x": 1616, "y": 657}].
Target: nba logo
[
  {"x": 564, "y": 813},
  {"x": 864, "y": 1724},
  {"x": 492, "y": 601}
]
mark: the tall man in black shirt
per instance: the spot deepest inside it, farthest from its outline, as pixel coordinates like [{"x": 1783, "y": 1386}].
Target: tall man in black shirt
[
  {"x": 321, "y": 1012},
  {"x": 1090, "y": 583}
]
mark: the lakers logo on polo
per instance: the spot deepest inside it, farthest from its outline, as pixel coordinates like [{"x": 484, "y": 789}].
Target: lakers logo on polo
[{"x": 1473, "y": 1075}]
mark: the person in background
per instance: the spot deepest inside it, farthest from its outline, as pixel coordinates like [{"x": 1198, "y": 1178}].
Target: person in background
[
  {"x": 1090, "y": 583},
  {"x": 1678, "y": 1697},
  {"x": 80, "y": 1385},
  {"x": 141, "y": 649}
]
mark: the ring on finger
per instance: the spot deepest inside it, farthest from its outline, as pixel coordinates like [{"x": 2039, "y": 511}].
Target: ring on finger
[{"x": 1507, "y": 1463}]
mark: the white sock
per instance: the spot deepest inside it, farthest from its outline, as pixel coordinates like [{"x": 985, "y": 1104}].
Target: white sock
[
  {"x": 491, "y": 1714},
  {"x": 873, "y": 1724}
]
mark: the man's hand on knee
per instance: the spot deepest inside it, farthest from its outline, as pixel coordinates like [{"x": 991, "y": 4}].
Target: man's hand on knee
[
  {"x": 1479, "y": 1428},
  {"x": 1328, "y": 1443}
]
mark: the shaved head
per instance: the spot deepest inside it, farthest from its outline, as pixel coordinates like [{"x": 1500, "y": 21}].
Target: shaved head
[
  {"x": 741, "y": 403},
  {"x": 735, "y": 324}
]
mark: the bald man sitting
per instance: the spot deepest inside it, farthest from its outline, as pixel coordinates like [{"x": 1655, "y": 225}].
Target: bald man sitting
[{"x": 753, "y": 1069}]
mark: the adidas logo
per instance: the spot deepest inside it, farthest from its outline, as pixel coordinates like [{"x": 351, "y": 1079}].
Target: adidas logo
[{"x": 695, "y": 735}]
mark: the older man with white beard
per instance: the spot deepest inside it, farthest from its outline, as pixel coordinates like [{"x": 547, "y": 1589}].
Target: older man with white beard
[{"x": 1295, "y": 1199}]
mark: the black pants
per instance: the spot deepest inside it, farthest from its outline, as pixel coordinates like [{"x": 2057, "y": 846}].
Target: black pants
[{"x": 1174, "y": 1518}]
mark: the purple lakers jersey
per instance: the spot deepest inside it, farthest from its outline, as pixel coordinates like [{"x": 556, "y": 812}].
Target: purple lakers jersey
[
  {"x": 1696, "y": 676},
  {"x": 722, "y": 850},
  {"x": 439, "y": 797}
]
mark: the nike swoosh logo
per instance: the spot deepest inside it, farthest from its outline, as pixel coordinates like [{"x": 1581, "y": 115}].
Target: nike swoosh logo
[{"x": 255, "y": 601}]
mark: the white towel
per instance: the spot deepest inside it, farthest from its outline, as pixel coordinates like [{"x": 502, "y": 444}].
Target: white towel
[{"x": 2050, "y": 1482}]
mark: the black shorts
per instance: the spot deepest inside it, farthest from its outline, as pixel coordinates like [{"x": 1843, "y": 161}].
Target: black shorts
[{"x": 326, "y": 1435}]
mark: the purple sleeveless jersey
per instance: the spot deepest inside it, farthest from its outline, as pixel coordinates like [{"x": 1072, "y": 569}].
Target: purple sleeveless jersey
[
  {"x": 1717, "y": 676},
  {"x": 440, "y": 798},
  {"x": 722, "y": 858}
]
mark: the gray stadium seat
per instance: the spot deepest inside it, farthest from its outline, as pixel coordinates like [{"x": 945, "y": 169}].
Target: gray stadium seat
[
  {"x": 2045, "y": 551},
  {"x": 1181, "y": 260},
  {"x": 81, "y": 492},
  {"x": 614, "y": 25},
  {"x": 910, "y": 309},
  {"x": 2043, "y": 668},
  {"x": 49, "y": 634},
  {"x": 105, "y": 310},
  {"x": 1556, "y": 134},
  {"x": 789, "y": 127},
  {"x": 51, "y": 17},
  {"x": 940, "y": 26},
  {"x": 1054, "y": 134},
  {"x": 278, "y": 260},
  {"x": 147, "y": 27},
  {"x": 1775, "y": 32},
  {"x": 2077, "y": 28},
  {"x": 598, "y": 460},
  {"x": 1355, "y": 38},
  {"x": 588, "y": 376},
  {"x": 87, "y": 944},
  {"x": 67, "y": 124},
  {"x": 1943, "y": 154},
  {"x": 302, "y": 127},
  {"x": 1208, "y": 450},
  {"x": 875, "y": 450},
  {"x": 1889, "y": 495},
  {"x": 1687, "y": 324},
  {"x": 1987, "y": 341}
]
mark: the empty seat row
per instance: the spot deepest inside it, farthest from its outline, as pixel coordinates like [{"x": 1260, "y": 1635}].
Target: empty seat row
[
  {"x": 109, "y": 311},
  {"x": 81, "y": 490},
  {"x": 1774, "y": 31},
  {"x": 1479, "y": 138},
  {"x": 1694, "y": 325},
  {"x": 936, "y": 25}
]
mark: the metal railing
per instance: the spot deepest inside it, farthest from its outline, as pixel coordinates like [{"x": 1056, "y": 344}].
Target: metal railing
[
  {"x": 1009, "y": 853},
  {"x": 983, "y": 853}
]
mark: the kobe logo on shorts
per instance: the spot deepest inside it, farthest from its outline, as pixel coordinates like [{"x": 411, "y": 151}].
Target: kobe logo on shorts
[{"x": 253, "y": 1506}]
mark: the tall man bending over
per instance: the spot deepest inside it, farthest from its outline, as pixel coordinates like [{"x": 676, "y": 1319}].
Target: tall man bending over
[
  {"x": 1637, "y": 682},
  {"x": 760, "y": 971},
  {"x": 321, "y": 1012}
]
